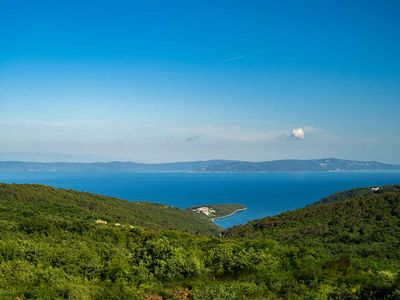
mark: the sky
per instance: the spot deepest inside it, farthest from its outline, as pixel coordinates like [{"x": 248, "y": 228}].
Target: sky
[{"x": 157, "y": 81}]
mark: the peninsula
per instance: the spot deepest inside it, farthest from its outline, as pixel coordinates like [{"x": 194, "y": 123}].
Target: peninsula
[{"x": 217, "y": 211}]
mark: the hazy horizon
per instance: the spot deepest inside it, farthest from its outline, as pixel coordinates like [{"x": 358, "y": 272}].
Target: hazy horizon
[{"x": 88, "y": 158}]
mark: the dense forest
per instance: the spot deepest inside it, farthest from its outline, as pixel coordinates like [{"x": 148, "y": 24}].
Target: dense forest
[{"x": 59, "y": 244}]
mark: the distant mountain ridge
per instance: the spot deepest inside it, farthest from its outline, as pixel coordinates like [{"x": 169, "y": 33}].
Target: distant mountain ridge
[
  {"x": 296, "y": 165},
  {"x": 210, "y": 166}
]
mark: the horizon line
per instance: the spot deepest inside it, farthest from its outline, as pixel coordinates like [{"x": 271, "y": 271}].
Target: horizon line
[{"x": 193, "y": 161}]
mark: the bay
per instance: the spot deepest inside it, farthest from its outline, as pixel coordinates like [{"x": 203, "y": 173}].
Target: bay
[{"x": 264, "y": 194}]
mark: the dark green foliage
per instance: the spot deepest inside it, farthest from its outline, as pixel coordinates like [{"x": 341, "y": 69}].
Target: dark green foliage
[
  {"x": 359, "y": 193},
  {"x": 42, "y": 206},
  {"x": 51, "y": 248}
]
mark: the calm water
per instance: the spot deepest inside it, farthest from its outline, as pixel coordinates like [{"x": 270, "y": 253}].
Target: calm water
[{"x": 263, "y": 194}]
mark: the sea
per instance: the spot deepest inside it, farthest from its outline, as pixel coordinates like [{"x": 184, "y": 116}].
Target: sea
[{"x": 263, "y": 194}]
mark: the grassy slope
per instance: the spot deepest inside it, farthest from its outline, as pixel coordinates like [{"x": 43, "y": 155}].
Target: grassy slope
[{"x": 18, "y": 202}]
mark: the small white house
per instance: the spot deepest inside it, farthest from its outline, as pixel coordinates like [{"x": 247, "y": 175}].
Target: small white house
[{"x": 205, "y": 210}]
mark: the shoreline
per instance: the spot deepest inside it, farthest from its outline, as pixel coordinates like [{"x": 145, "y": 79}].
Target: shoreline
[{"x": 226, "y": 216}]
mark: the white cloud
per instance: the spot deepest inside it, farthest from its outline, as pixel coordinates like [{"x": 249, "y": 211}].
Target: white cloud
[{"x": 298, "y": 133}]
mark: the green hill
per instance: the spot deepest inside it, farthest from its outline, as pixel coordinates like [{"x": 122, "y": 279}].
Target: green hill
[
  {"x": 354, "y": 211},
  {"x": 51, "y": 247},
  {"x": 42, "y": 203},
  {"x": 360, "y": 192},
  {"x": 359, "y": 223}
]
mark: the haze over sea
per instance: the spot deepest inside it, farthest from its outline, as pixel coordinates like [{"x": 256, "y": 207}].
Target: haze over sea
[{"x": 263, "y": 194}]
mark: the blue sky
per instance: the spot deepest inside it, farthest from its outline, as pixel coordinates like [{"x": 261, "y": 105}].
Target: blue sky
[{"x": 184, "y": 80}]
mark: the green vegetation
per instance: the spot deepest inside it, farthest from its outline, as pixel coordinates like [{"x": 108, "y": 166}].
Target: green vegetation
[
  {"x": 217, "y": 210},
  {"x": 37, "y": 202},
  {"x": 52, "y": 248},
  {"x": 360, "y": 192}
]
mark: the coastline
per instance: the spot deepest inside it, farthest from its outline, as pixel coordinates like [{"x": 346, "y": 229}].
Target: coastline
[{"x": 231, "y": 214}]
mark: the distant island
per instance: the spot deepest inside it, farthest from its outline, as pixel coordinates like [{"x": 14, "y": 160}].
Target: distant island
[
  {"x": 210, "y": 166},
  {"x": 217, "y": 211}
]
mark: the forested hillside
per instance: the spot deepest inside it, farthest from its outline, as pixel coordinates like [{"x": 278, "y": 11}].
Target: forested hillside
[
  {"x": 357, "y": 214},
  {"x": 362, "y": 224},
  {"x": 51, "y": 247},
  {"x": 45, "y": 206}
]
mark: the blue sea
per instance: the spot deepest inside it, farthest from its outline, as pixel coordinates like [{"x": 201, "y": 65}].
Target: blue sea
[{"x": 263, "y": 194}]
